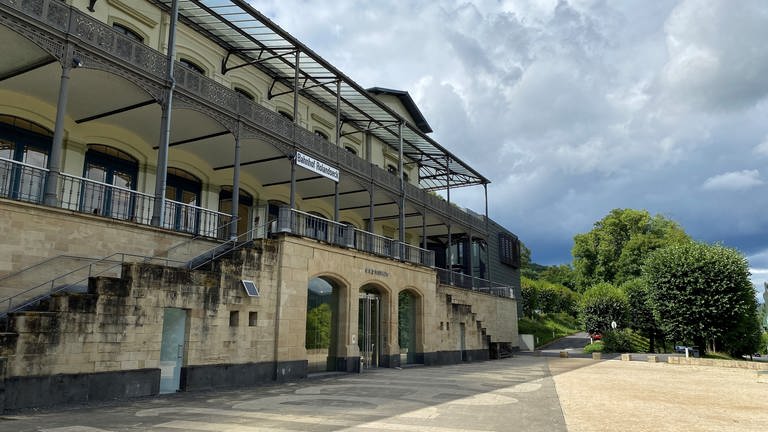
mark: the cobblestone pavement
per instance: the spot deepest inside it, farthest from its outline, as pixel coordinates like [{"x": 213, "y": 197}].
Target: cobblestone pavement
[
  {"x": 511, "y": 394},
  {"x": 524, "y": 393}
]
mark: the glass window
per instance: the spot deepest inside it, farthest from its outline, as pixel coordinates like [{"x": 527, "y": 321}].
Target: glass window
[
  {"x": 126, "y": 31},
  {"x": 245, "y": 93},
  {"x": 113, "y": 176},
  {"x": 192, "y": 65},
  {"x": 321, "y": 134},
  {"x": 244, "y": 204},
  {"x": 286, "y": 114},
  {"x": 351, "y": 150},
  {"x": 183, "y": 192},
  {"x": 29, "y": 143}
]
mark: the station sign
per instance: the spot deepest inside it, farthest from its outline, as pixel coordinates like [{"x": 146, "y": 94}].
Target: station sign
[{"x": 317, "y": 166}]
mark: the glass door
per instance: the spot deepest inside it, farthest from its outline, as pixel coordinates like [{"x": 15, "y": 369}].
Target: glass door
[{"x": 369, "y": 334}]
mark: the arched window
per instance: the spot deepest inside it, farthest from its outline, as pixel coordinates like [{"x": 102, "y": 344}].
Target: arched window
[
  {"x": 182, "y": 188},
  {"x": 392, "y": 169},
  {"x": 321, "y": 134},
  {"x": 245, "y": 93},
  {"x": 111, "y": 175},
  {"x": 351, "y": 149},
  {"x": 192, "y": 65},
  {"x": 26, "y": 142},
  {"x": 127, "y": 31},
  {"x": 244, "y": 205},
  {"x": 286, "y": 114}
]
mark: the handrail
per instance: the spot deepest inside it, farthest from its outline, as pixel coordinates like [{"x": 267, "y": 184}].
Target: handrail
[
  {"x": 233, "y": 241},
  {"x": 467, "y": 282},
  {"x": 39, "y": 264},
  {"x": 24, "y": 164},
  {"x": 52, "y": 290}
]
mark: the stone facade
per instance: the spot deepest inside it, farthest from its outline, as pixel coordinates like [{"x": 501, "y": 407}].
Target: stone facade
[{"x": 113, "y": 333}]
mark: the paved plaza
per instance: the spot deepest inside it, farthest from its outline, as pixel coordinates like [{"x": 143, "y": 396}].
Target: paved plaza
[{"x": 524, "y": 393}]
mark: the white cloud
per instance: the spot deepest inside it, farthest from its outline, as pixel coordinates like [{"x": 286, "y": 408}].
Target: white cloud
[
  {"x": 575, "y": 107},
  {"x": 734, "y": 181},
  {"x": 762, "y": 148}
]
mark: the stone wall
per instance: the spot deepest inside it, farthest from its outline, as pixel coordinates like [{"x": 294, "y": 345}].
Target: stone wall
[
  {"x": 31, "y": 234},
  {"x": 116, "y": 328}
]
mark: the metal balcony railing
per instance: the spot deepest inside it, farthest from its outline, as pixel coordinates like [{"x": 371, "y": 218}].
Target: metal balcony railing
[
  {"x": 100, "y": 38},
  {"x": 308, "y": 225},
  {"x": 461, "y": 280},
  {"x": 25, "y": 182}
]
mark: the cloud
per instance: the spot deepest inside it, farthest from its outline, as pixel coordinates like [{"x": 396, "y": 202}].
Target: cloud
[
  {"x": 734, "y": 181},
  {"x": 575, "y": 107}
]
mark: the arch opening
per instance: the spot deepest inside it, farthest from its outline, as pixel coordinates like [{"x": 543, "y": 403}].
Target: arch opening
[
  {"x": 408, "y": 319},
  {"x": 322, "y": 328}
]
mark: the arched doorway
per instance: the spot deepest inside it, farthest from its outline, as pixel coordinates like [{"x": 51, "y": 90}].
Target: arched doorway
[
  {"x": 371, "y": 330},
  {"x": 408, "y": 327},
  {"x": 322, "y": 328}
]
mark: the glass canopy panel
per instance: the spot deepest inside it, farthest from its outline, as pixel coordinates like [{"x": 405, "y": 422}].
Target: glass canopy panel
[{"x": 252, "y": 37}]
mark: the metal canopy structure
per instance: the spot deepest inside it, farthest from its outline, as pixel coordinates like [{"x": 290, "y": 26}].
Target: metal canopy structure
[{"x": 252, "y": 39}]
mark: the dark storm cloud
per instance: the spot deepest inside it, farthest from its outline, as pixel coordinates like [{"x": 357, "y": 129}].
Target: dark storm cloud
[{"x": 576, "y": 107}]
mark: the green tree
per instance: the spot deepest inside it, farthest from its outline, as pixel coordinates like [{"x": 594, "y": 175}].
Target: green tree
[
  {"x": 614, "y": 250},
  {"x": 702, "y": 293},
  {"x": 546, "y": 297},
  {"x": 561, "y": 274},
  {"x": 602, "y": 304},
  {"x": 641, "y": 317},
  {"x": 319, "y": 327}
]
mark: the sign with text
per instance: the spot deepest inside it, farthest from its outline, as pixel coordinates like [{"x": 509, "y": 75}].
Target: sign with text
[{"x": 315, "y": 165}]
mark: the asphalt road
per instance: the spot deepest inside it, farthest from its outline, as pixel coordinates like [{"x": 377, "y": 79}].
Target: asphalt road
[{"x": 574, "y": 342}]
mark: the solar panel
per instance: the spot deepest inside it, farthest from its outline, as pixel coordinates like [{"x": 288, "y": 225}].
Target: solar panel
[{"x": 250, "y": 288}]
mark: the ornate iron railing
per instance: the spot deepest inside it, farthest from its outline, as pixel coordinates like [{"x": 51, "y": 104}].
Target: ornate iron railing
[
  {"x": 100, "y": 38},
  {"x": 308, "y": 225},
  {"x": 25, "y": 182}
]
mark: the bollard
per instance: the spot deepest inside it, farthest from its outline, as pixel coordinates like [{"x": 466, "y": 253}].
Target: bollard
[
  {"x": 652, "y": 359},
  {"x": 626, "y": 357},
  {"x": 362, "y": 363},
  {"x": 563, "y": 354},
  {"x": 597, "y": 355}
]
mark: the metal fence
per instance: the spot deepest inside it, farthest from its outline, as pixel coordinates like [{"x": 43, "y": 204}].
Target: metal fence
[
  {"x": 316, "y": 227},
  {"x": 461, "y": 280},
  {"x": 25, "y": 182}
]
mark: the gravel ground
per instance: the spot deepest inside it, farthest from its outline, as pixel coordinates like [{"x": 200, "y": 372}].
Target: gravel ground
[{"x": 639, "y": 396}]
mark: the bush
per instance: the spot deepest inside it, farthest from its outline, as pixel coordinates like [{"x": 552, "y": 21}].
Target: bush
[
  {"x": 618, "y": 341},
  {"x": 764, "y": 344},
  {"x": 601, "y": 305},
  {"x": 594, "y": 347}
]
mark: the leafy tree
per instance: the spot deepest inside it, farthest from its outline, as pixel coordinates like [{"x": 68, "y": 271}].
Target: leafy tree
[
  {"x": 562, "y": 275},
  {"x": 319, "y": 327},
  {"x": 546, "y": 297},
  {"x": 614, "y": 250},
  {"x": 602, "y": 304},
  {"x": 641, "y": 316},
  {"x": 702, "y": 293}
]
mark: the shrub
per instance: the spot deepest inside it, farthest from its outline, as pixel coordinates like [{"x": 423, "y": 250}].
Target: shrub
[
  {"x": 601, "y": 305},
  {"x": 594, "y": 347},
  {"x": 618, "y": 341}
]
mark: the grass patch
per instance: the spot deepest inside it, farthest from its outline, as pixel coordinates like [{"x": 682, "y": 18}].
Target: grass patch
[
  {"x": 719, "y": 356},
  {"x": 594, "y": 347},
  {"x": 548, "y": 327}
]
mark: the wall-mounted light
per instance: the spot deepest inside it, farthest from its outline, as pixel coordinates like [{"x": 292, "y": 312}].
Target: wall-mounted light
[
  {"x": 90, "y": 5},
  {"x": 76, "y": 63}
]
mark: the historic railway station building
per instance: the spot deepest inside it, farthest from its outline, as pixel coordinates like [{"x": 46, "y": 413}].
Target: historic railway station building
[{"x": 192, "y": 198}]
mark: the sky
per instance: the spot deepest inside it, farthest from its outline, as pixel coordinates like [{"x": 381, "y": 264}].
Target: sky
[{"x": 576, "y": 107}]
